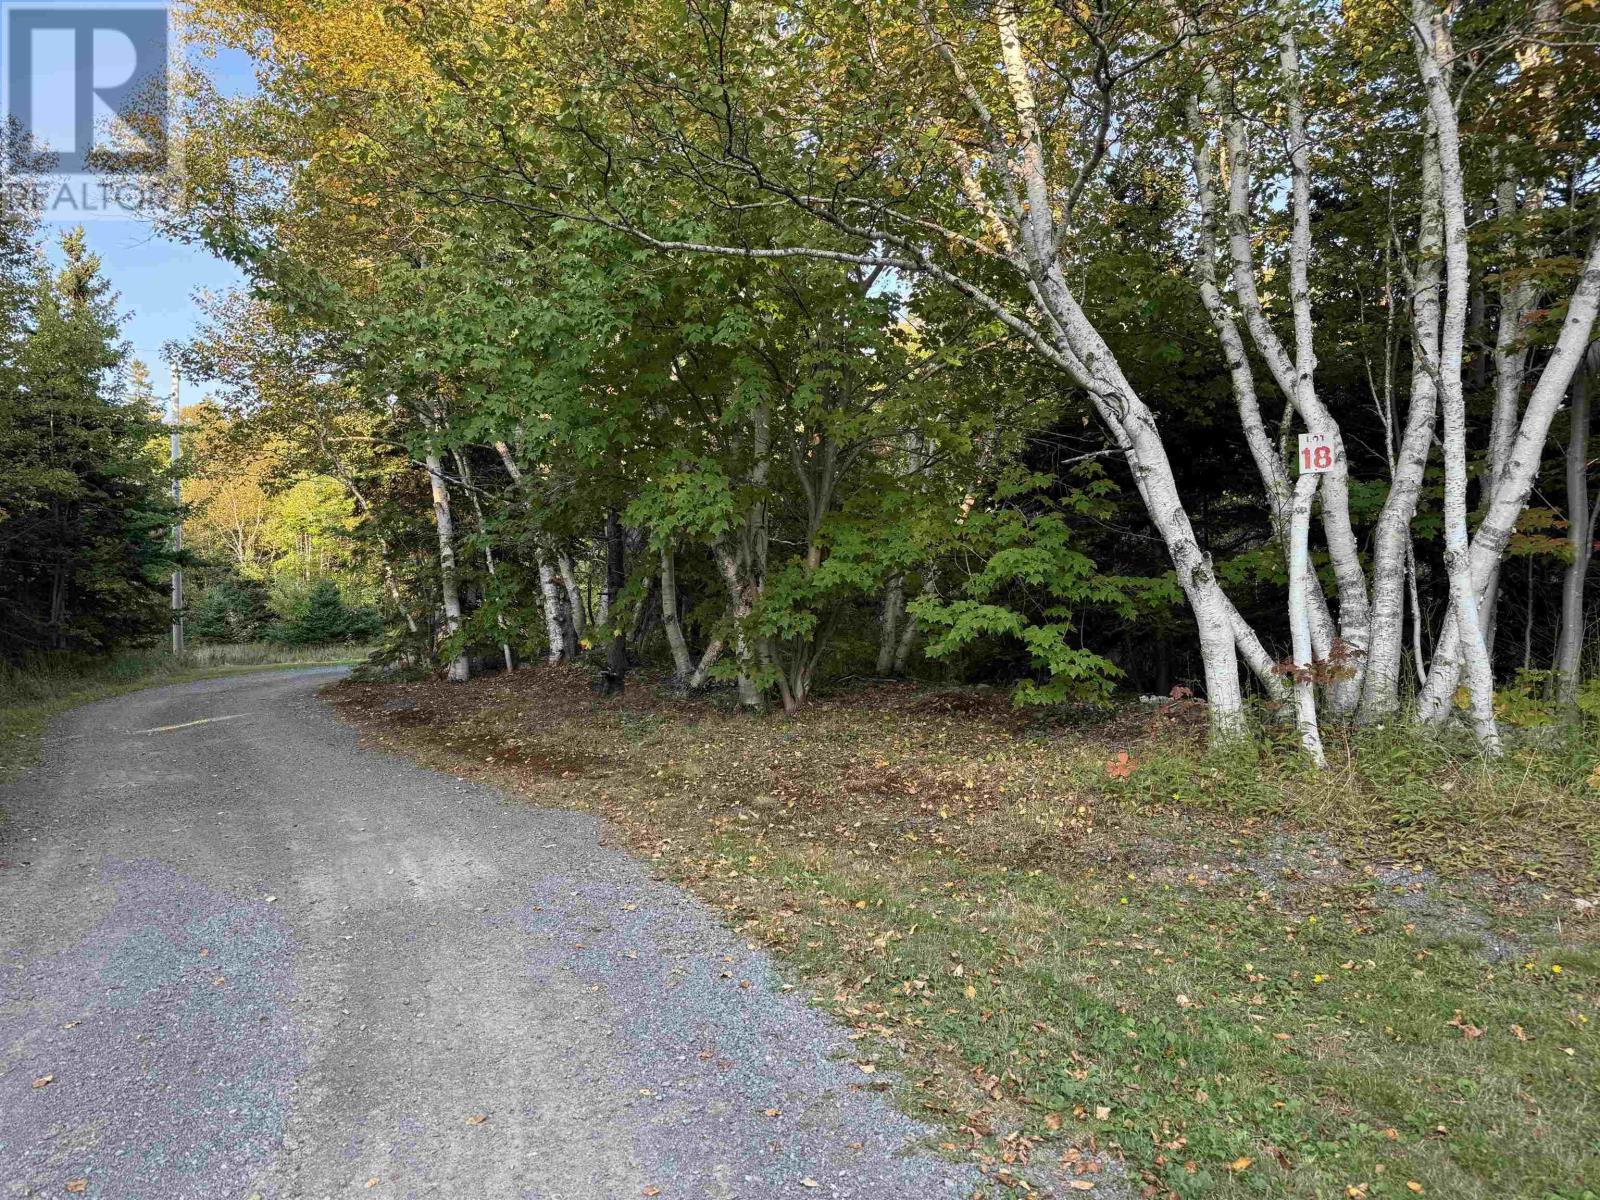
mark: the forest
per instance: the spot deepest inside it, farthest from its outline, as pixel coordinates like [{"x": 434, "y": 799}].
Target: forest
[
  {"x": 778, "y": 347},
  {"x": 788, "y": 345},
  {"x": 85, "y": 518}
]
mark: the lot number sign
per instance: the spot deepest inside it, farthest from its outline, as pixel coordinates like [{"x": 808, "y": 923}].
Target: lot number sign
[{"x": 1316, "y": 454}]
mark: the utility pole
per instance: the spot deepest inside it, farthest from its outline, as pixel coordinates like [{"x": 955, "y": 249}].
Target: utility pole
[{"x": 177, "y": 524}]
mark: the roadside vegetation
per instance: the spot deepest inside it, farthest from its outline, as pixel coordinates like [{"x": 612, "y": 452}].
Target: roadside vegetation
[{"x": 1103, "y": 959}]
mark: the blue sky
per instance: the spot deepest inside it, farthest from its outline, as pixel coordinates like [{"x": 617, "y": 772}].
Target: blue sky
[{"x": 156, "y": 279}]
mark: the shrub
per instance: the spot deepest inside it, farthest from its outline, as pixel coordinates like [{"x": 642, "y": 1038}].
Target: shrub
[
  {"x": 234, "y": 610},
  {"x": 319, "y": 614}
]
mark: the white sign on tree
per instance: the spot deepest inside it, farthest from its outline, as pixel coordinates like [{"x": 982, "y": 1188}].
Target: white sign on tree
[{"x": 1316, "y": 454}]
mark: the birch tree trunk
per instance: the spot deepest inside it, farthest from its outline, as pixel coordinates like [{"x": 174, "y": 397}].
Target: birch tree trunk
[
  {"x": 1392, "y": 561},
  {"x": 708, "y": 659},
  {"x": 1580, "y": 539},
  {"x": 1295, "y": 376},
  {"x": 1265, "y": 452},
  {"x": 1433, "y": 55},
  {"x": 460, "y": 669},
  {"x": 741, "y": 607},
  {"x": 1510, "y": 371},
  {"x": 555, "y": 625},
  {"x": 1305, "y": 695},
  {"x": 393, "y": 586},
  {"x": 578, "y": 611},
  {"x": 1522, "y": 463},
  {"x": 682, "y": 664}
]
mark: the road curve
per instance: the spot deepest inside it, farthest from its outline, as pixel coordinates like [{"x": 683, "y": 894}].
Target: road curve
[{"x": 244, "y": 957}]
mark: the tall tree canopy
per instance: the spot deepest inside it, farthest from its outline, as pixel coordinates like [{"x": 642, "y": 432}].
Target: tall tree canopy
[{"x": 777, "y": 337}]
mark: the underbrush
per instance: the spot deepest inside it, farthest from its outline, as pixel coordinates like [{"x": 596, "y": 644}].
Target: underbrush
[{"x": 1104, "y": 951}]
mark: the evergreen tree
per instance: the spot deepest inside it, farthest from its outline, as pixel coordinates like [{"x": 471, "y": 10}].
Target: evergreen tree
[{"x": 84, "y": 522}]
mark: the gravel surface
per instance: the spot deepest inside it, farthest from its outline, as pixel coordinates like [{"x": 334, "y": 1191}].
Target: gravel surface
[{"x": 254, "y": 960}]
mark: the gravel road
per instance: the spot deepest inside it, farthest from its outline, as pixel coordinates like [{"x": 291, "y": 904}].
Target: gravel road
[{"x": 245, "y": 958}]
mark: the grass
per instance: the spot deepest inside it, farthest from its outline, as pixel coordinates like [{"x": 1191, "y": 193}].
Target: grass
[
  {"x": 1218, "y": 978},
  {"x": 32, "y": 694}
]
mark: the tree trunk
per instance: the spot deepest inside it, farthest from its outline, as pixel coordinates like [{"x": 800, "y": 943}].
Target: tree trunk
[
  {"x": 1434, "y": 57},
  {"x": 1489, "y": 542},
  {"x": 682, "y": 664},
  {"x": 1392, "y": 552},
  {"x": 708, "y": 659},
  {"x": 616, "y": 672},
  {"x": 1264, "y": 451},
  {"x": 908, "y": 635},
  {"x": 460, "y": 668},
  {"x": 577, "y": 612},
  {"x": 1580, "y": 538},
  {"x": 394, "y": 587},
  {"x": 465, "y": 470},
  {"x": 1296, "y": 376},
  {"x": 739, "y": 596},
  {"x": 1305, "y": 687},
  {"x": 555, "y": 624},
  {"x": 894, "y": 601}
]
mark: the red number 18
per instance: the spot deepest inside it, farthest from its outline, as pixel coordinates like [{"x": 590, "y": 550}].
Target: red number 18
[{"x": 1320, "y": 457}]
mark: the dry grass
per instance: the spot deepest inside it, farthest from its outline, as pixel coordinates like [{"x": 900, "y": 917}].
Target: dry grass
[{"x": 1205, "y": 962}]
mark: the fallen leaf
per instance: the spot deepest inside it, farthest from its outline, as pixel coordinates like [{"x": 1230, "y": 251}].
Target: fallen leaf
[
  {"x": 809, "y": 1182},
  {"x": 1413, "y": 1185},
  {"x": 1121, "y": 766},
  {"x": 1052, "y": 1121},
  {"x": 77, "y": 1185},
  {"x": 477, "y": 1118},
  {"x": 1102, "y": 1113},
  {"x": 774, "y": 1112},
  {"x": 1081, "y": 1185},
  {"x": 1242, "y": 1163},
  {"x": 652, "y": 1190},
  {"x": 866, "y": 1068},
  {"x": 373, "y": 1182}
]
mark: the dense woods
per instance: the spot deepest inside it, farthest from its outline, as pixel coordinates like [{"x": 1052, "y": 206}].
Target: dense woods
[
  {"x": 778, "y": 345},
  {"x": 85, "y": 521}
]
